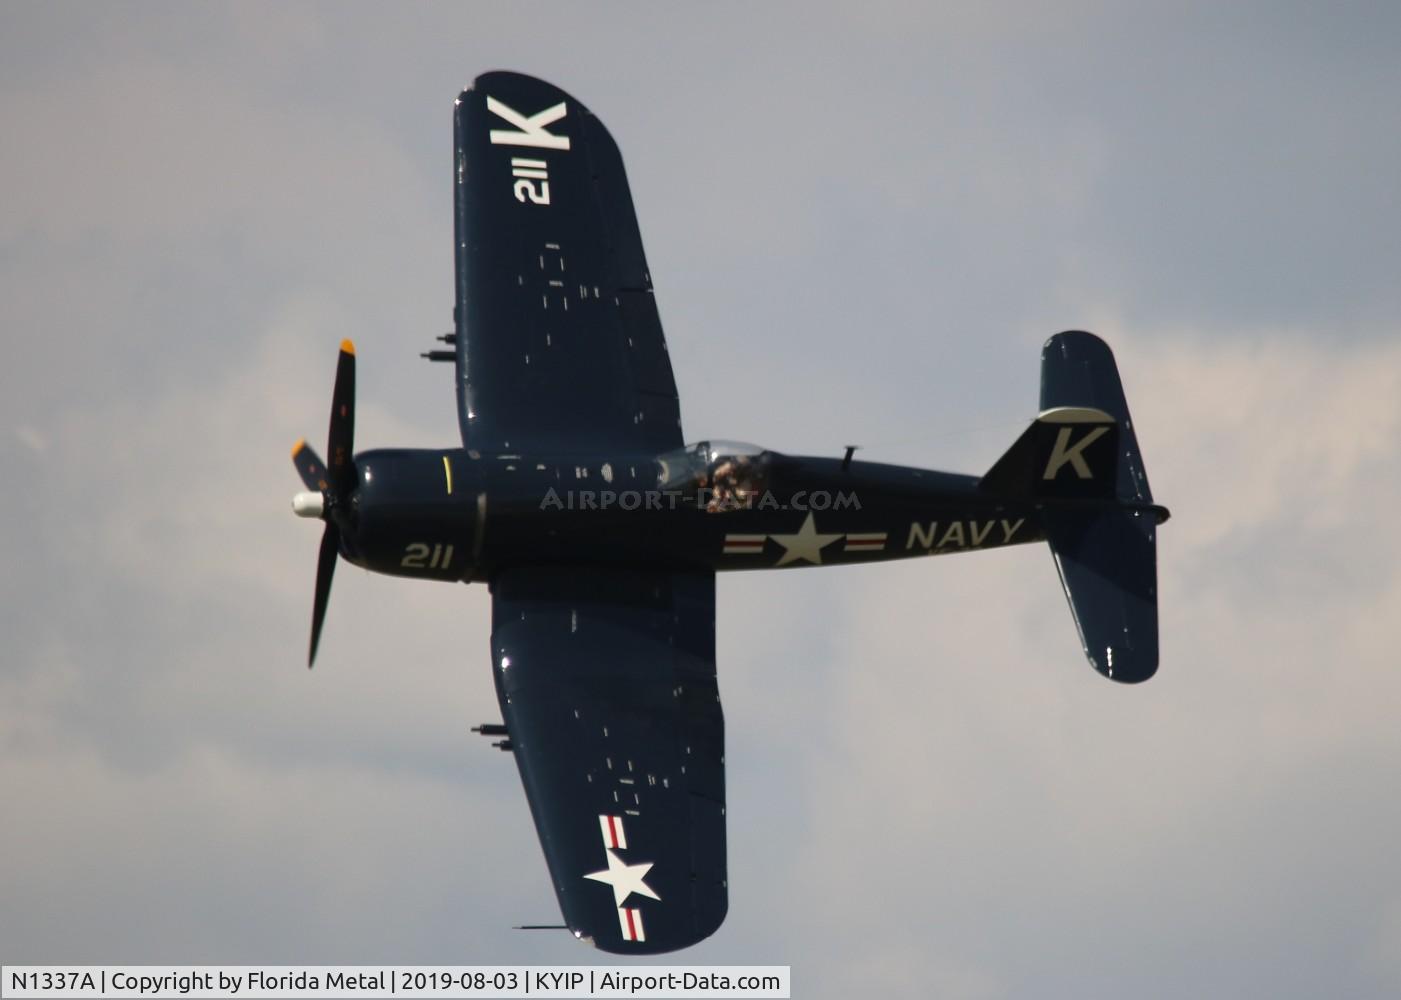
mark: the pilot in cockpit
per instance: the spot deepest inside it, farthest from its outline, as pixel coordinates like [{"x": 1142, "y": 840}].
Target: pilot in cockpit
[
  {"x": 715, "y": 475},
  {"x": 734, "y": 484}
]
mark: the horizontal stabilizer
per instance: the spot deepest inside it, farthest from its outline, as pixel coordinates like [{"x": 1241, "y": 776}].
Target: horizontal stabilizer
[{"x": 1108, "y": 566}]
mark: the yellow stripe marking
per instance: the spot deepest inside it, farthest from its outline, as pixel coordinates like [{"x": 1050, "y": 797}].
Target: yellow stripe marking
[{"x": 447, "y": 471}]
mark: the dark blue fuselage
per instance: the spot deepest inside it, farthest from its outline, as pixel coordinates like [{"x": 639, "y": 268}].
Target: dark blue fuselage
[{"x": 458, "y": 515}]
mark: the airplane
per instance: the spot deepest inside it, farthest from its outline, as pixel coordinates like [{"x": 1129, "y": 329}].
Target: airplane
[{"x": 599, "y": 531}]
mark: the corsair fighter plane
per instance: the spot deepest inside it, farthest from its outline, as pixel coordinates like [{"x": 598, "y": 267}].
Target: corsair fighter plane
[{"x": 576, "y": 499}]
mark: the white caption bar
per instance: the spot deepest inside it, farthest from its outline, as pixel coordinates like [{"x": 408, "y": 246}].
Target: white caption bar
[{"x": 190, "y": 982}]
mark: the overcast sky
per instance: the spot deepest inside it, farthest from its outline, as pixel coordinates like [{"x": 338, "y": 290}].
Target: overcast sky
[{"x": 861, "y": 227}]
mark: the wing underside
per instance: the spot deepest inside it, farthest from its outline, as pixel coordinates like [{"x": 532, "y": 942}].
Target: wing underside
[
  {"x": 606, "y": 681},
  {"x": 559, "y": 345}
]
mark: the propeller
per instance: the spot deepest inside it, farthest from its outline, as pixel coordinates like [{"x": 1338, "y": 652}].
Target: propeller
[{"x": 329, "y": 488}]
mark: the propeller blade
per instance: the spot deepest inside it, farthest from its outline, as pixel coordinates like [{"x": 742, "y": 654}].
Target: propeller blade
[
  {"x": 310, "y": 467},
  {"x": 325, "y": 568},
  {"x": 340, "y": 441},
  {"x": 329, "y": 488}
]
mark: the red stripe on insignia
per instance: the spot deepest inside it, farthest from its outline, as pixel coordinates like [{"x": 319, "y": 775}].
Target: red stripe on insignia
[
  {"x": 630, "y": 921},
  {"x": 613, "y": 835}
]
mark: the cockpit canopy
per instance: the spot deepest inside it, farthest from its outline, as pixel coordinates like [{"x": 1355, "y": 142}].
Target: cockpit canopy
[{"x": 716, "y": 475}]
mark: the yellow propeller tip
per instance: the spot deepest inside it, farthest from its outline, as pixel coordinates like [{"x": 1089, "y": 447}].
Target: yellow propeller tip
[
  {"x": 348, "y": 347},
  {"x": 297, "y": 448}
]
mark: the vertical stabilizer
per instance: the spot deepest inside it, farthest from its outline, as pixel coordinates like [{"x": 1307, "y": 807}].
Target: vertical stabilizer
[{"x": 1078, "y": 370}]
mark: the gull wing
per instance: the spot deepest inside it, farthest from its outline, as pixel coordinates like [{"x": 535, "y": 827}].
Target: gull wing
[
  {"x": 606, "y": 680},
  {"x": 559, "y": 345}
]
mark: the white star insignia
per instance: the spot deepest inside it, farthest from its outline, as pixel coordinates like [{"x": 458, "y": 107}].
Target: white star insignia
[
  {"x": 625, "y": 878},
  {"x": 806, "y": 544}
]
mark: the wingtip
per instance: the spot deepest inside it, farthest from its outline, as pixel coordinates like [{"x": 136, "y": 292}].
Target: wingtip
[{"x": 348, "y": 347}]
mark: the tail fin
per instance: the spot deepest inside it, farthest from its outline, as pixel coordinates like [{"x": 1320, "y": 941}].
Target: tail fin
[
  {"x": 1068, "y": 452},
  {"x": 1080, "y": 462},
  {"x": 1077, "y": 369}
]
